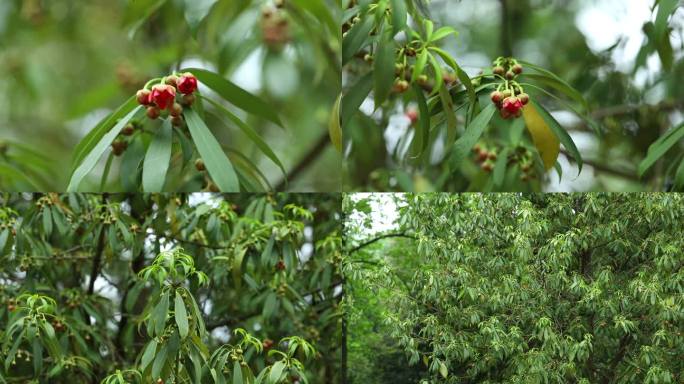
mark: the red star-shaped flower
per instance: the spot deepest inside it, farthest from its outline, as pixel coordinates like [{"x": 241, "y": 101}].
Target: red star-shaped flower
[{"x": 163, "y": 95}]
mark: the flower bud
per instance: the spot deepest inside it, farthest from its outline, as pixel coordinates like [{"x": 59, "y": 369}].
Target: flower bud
[
  {"x": 187, "y": 100},
  {"x": 199, "y": 165},
  {"x": 175, "y": 110},
  {"x": 143, "y": 97},
  {"x": 510, "y": 75},
  {"x": 499, "y": 70},
  {"x": 171, "y": 80},
  {"x": 128, "y": 129},
  {"x": 153, "y": 112},
  {"x": 177, "y": 121},
  {"x": 497, "y": 97},
  {"x": 524, "y": 97},
  {"x": 187, "y": 83},
  {"x": 517, "y": 69}
]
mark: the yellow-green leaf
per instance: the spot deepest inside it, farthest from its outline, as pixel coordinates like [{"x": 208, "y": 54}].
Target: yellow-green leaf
[{"x": 543, "y": 137}]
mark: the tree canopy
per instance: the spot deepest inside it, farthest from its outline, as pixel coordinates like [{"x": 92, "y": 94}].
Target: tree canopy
[
  {"x": 516, "y": 288},
  {"x": 178, "y": 288}
]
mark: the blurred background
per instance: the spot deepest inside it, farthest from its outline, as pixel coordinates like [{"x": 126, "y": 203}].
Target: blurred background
[
  {"x": 602, "y": 48},
  {"x": 68, "y": 63}
]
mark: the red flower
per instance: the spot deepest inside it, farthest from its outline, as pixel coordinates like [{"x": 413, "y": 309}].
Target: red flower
[
  {"x": 187, "y": 83},
  {"x": 163, "y": 95},
  {"x": 512, "y": 105}
]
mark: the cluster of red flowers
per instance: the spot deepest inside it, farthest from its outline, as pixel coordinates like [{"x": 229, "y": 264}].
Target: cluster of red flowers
[
  {"x": 512, "y": 99},
  {"x": 163, "y": 96},
  {"x": 510, "y": 105}
]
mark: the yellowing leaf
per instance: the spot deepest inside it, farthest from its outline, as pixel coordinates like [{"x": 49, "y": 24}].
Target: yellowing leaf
[
  {"x": 443, "y": 370},
  {"x": 546, "y": 142}
]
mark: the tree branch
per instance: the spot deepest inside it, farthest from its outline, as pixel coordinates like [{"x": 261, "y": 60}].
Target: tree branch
[
  {"x": 606, "y": 169},
  {"x": 385, "y": 236},
  {"x": 306, "y": 161}
]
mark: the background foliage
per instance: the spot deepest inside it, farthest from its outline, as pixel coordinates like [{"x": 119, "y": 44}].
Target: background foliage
[
  {"x": 70, "y": 63},
  {"x": 269, "y": 261},
  {"x": 625, "y": 117},
  {"x": 579, "y": 288}
]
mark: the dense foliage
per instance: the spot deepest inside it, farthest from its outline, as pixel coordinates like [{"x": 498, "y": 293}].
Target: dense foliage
[
  {"x": 268, "y": 79},
  {"x": 419, "y": 76},
  {"x": 556, "y": 288},
  {"x": 183, "y": 288}
]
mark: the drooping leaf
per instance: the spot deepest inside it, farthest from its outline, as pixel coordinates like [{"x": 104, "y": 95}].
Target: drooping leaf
[
  {"x": 353, "y": 99},
  {"x": 472, "y": 134},
  {"x": 103, "y": 144},
  {"x": 157, "y": 158},
  {"x": 236, "y": 95},
  {"x": 383, "y": 73},
  {"x": 219, "y": 167},
  {"x": 356, "y": 38},
  {"x": 543, "y": 137},
  {"x": 181, "y": 316},
  {"x": 660, "y": 147},
  {"x": 560, "y": 133},
  {"x": 334, "y": 125}
]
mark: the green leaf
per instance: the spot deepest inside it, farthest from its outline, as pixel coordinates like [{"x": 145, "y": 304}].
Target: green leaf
[
  {"x": 356, "y": 38},
  {"x": 399, "y": 15},
  {"x": 472, "y": 134},
  {"x": 160, "y": 313},
  {"x": 94, "y": 155},
  {"x": 665, "y": 9},
  {"x": 422, "y": 135},
  {"x": 383, "y": 70},
  {"x": 91, "y": 139},
  {"x": 196, "y": 11},
  {"x": 181, "y": 316},
  {"x": 660, "y": 147},
  {"x": 353, "y": 99},
  {"x": 131, "y": 161},
  {"x": 159, "y": 361},
  {"x": 138, "y": 12},
  {"x": 448, "y": 107},
  {"x": 500, "y": 167},
  {"x": 276, "y": 372},
  {"x": 237, "y": 373},
  {"x": 37, "y": 349},
  {"x": 560, "y": 86},
  {"x": 418, "y": 68},
  {"x": 219, "y": 167},
  {"x": 157, "y": 159},
  {"x": 678, "y": 181},
  {"x": 560, "y": 133},
  {"x": 321, "y": 11},
  {"x": 251, "y": 133},
  {"x": 334, "y": 125},
  {"x": 269, "y": 305},
  {"x": 442, "y": 33},
  {"x": 460, "y": 73},
  {"x": 443, "y": 370},
  {"x": 236, "y": 95},
  {"x": 47, "y": 221},
  {"x": 148, "y": 354}
]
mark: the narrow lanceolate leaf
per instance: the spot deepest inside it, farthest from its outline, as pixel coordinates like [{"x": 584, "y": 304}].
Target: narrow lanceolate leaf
[
  {"x": 500, "y": 167},
  {"x": 250, "y": 132},
  {"x": 276, "y": 372},
  {"x": 157, "y": 159},
  {"x": 419, "y": 67},
  {"x": 472, "y": 134},
  {"x": 236, "y": 95},
  {"x": 334, "y": 125},
  {"x": 148, "y": 354},
  {"x": 237, "y": 373},
  {"x": 422, "y": 135},
  {"x": 399, "y": 14},
  {"x": 383, "y": 69},
  {"x": 353, "y": 99},
  {"x": 543, "y": 137},
  {"x": 94, "y": 155},
  {"x": 219, "y": 167},
  {"x": 554, "y": 81},
  {"x": 660, "y": 147},
  {"x": 181, "y": 316},
  {"x": 560, "y": 133},
  {"x": 356, "y": 38},
  {"x": 93, "y": 137},
  {"x": 159, "y": 361},
  {"x": 196, "y": 11},
  {"x": 160, "y": 313},
  {"x": 665, "y": 9}
]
